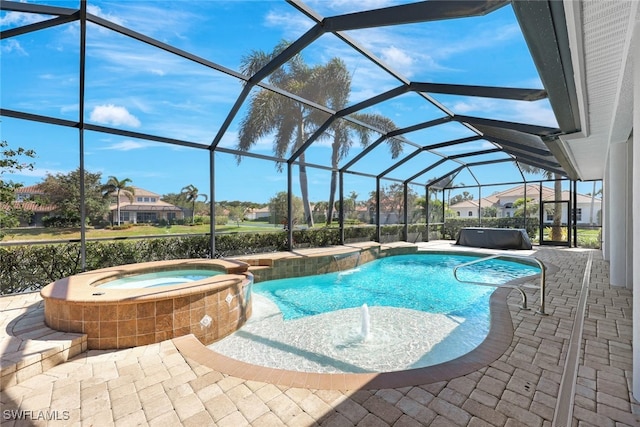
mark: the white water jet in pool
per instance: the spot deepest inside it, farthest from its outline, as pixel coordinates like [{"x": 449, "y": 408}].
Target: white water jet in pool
[{"x": 365, "y": 323}]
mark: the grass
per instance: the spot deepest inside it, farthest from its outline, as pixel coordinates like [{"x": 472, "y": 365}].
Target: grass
[{"x": 35, "y": 234}]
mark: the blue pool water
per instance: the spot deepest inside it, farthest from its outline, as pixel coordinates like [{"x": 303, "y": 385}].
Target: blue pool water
[
  {"x": 420, "y": 282},
  {"x": 419, "y": 316},
  {"x": 159, "y": 278}
]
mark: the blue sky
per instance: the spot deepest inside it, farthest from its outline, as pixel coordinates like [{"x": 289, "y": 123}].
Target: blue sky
[{"x": 133, "y": 86}]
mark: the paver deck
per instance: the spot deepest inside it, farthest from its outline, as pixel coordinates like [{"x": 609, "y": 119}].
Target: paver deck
[{"x": 159, "y": 385}]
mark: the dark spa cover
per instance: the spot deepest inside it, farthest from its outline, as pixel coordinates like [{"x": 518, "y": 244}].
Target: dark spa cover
[{"x": 494, "y": 238}]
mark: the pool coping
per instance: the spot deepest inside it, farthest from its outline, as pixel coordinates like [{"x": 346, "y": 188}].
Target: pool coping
[{"x": 492, "y": 347}]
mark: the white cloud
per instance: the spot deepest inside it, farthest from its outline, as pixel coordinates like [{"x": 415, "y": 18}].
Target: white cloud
[
  {"x": 126, "y": 145},
  {"x": 17, "y": 19},
  {"x": 97, "y": 11},
  {"x": 469, "y": 105},
  {"x": 113, "y": 115},
  {"x": 340, "y": 7},
  {"x": 397, "y": 58},
  {"x": 539, "y": 113},
  {"x": 70, "y": 108},
  {"x": 12, "y": 45}
]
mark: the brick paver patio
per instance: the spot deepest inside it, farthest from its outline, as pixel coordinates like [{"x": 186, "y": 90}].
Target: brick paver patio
[{"x": 157, "y": 385}]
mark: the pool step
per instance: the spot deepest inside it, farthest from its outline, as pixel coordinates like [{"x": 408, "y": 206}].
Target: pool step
[{"x": 28, "y": 347}]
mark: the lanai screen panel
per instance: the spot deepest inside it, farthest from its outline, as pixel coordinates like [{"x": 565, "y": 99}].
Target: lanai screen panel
[
  {"x": 57, "y": 149},
  {"x": 47, "y": 83},
  {"x": 404, "y": 110},
  {"x": 496, "y": 173},
  {"x": 414, "y": 165},
  {"x": 381, "y": 157},
  {"x": 272, "y": 124},
  {"x": 132, "y": 86}
]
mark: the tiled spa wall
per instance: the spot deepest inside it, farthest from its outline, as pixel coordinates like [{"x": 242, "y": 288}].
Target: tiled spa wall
[{"x": 210, "y": 315}]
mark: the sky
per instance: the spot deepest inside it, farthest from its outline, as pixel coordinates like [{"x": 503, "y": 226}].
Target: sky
[{"x": 133, "y": 86}]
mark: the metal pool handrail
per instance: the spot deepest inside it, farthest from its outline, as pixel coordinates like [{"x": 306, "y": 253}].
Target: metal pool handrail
[{"x": 524, "y": 296}]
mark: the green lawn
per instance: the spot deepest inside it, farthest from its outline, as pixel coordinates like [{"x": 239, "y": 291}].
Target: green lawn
[{"x": 33, "y": 234}]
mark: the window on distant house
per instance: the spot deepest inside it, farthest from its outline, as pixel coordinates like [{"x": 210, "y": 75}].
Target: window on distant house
[
  {"x": 458, "y": 213},
  {"x": 153, "y": 200},
  {"x": 138, "y": 199},
  {"x": 549, "y": 216},
  {"x": 147, "y": 217},
  {"x": 470, "y": 213},
  {"x": 124, "y": 216},
  {"x": 508, "y": 205},
  {"x": 146, "y": 200}
]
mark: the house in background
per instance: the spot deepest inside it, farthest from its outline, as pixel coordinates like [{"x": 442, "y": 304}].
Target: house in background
[
  {"x": 27, "y": 200},
  {"x": 253, "y": 214},
  {"x": 146, "y": 207},
  {"x": 588, "y": 208}
]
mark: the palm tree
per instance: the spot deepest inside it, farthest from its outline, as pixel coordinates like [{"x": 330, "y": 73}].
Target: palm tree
[
  {"x": 594, "y": 193},
  {"x": 117, "y": 187},
  {"x": 335, "y": 81},
  {"x": 556, "y": 229},
  {"x": 191, "y": 194},
  {"x": 289, "y": 120}
]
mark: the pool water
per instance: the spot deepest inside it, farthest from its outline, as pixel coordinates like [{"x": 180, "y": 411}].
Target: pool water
[
  {"x": 159, "y": 278},
  {"x": 419, "y": 316},
  {"x": 418, "y": 282}
]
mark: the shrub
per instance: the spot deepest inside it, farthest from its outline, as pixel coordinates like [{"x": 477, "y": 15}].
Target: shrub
[
  {"x": 121, "y": 226},
  {"x": 200, "y": 219},
  {"x": 59, "y": 221}
]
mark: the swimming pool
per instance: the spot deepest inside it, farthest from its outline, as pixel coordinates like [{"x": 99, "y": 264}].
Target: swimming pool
[{"x": 420, "y": 316}]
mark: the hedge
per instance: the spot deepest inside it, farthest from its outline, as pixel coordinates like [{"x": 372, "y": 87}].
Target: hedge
[{"x": 30, "y": 267}]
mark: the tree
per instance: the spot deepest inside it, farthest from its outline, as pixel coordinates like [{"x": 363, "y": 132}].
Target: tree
[
  {"x": 191, "y": 194},
  {"x": 288, "y": 120},
  {"x": 236, "y": 213},
  {"x": 532, "y": 207},
  {"x": 392, "y": 201},
  {"x": 12, "y": 160},
  {"x": 593, "y": 195},
  {"x": 489, "y": 212},
  {"x": 320, "y": 211},
  {"x": 63, "y": 191},
  {"x": 292, "y": 122},
  {"x": 353, "y": 199},
  {"x": 278, "y": 207},
  {"x": 556, "y": 229},
  {"x": 118, "y": 187},
  {"x": 336, "y": 82},
  {"x": 461, "y": 197},
  {"x": 176, "y": 199}
]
